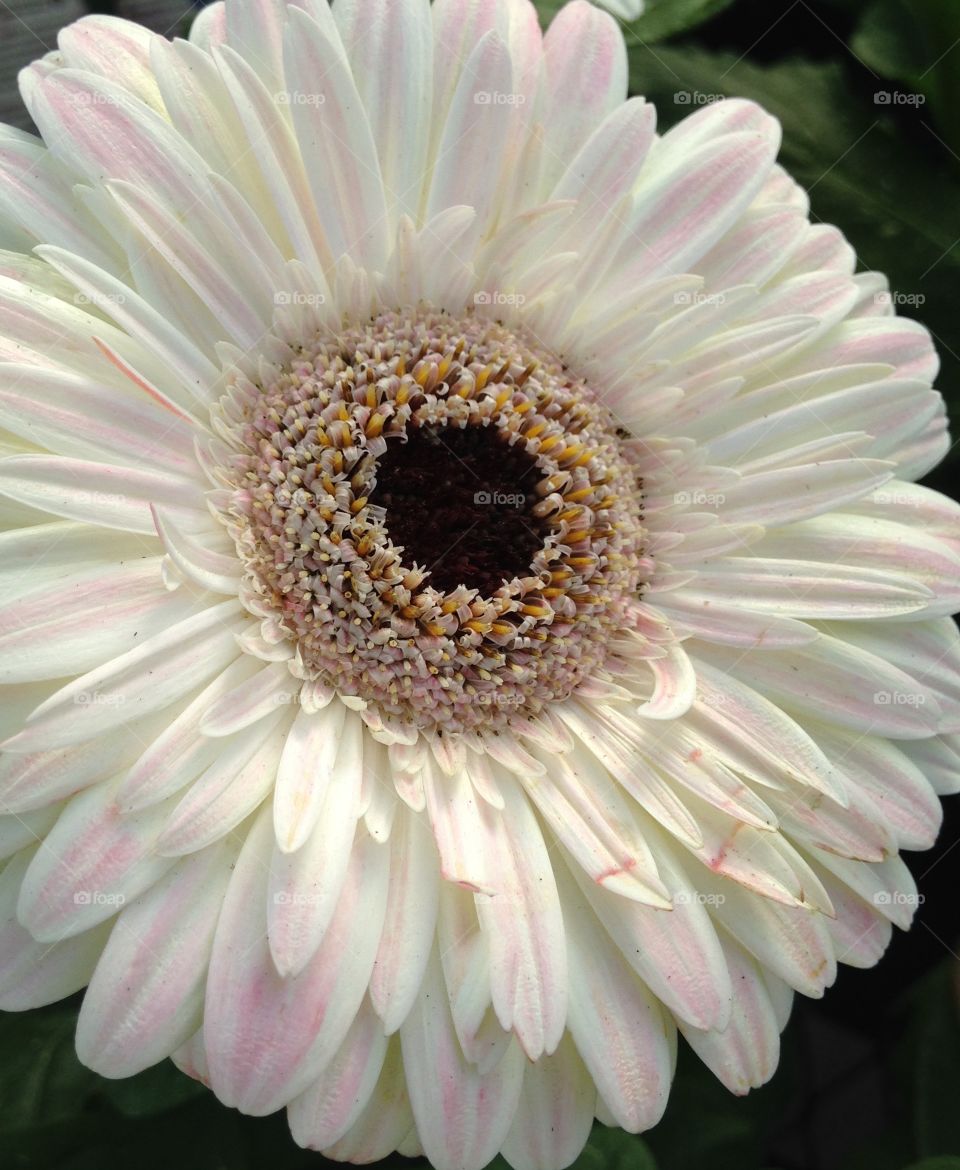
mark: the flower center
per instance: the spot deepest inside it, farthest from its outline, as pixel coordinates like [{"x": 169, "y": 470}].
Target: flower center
[
  {"x": 441, "y": 522},
  {"x": 460, "y": 503}
]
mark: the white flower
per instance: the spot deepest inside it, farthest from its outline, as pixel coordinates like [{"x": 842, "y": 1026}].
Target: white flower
[{"x": 468, "y": 608}]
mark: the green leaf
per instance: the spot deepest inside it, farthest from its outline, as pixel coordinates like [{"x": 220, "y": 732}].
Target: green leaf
[
  {"x": 936, "y": 1086},
  {"x": 948, "y": 1162},
  {"x": 613, "y": 1149},
  {"x": 661, "y": 18},
  {"x": 890, "y": 42},
  {"x": 890, "y": 193}
]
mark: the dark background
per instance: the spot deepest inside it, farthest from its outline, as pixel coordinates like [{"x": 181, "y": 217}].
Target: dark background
[{"x": 869, "y": 1076}]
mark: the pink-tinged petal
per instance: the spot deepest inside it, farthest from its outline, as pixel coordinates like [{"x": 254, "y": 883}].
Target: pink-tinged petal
[
  {"x": 87, "y": 617},
  {"x": 24, "y": 830},
  {"x": 903, "y": 344},
  {"x": 462, "y": 826},
  {"x": 258, "y": 1062},
  {"x": 306, "y": 768},
  {"x": 619, "y": 1027},
  {"x": 692, "y": 616},
  {"x": 806, "y": 589},
  {"x": 209, "y": 27},
  {"x": 242, "y": 316},
  {"x": 939, "y": 760},
  {"x": 71, "y": 415},
  {"x": 386, "y": 1121},
  {"x": 242, "y": 775},
  {"x": 193, "y": 370},
  {"x": 34, "y": 973},
  {"x": 32, "y": 781},
  {"x": 675, "y": 952},
  {"x": 274, "y": 150},
  {"x": 674, "y": 685},
  {"x": 305, "y": 886},
  {"x": 336, "y": 143},
  {"x": 91, "y": 863},
  {"x": 146, "y": 997},
  {"x": 896, "y": 795},
  {"x": 590, "y": 816},
  {"x": 860, "y": 934},
  {"x": 251, "y": 700},
  {"x": 204, "y": 566},
  {"x": 888, "y": 886},
  {"x": 681, "y": 214},
  {"x": 390, "y": 49},
  {"x": 410, "y": 922},
  {"x": 137, "y": 683},
  {"x": 95, "y": 493},
  {"x": 116, "y": 49},
  {"x": 523, "y": 922},
  {"x": 555, "y": 1112},
  {"x": 586, "y": 78},
  {"x": 36, "y": 193},
  {"x": 838, "y": 683},
  {"x": 462, "y": 1115},
  {"x": 468, "y": 163},
  {"x": 793, "y": 943},
  {"x": 636, "y": 775},
  {"x": 605, "y": 167},
  {"x": 336, "y": 1100},
  {"x": 191, "y": 1059},
  {"x": 96, "y": 127},
  {"x": 745, "y": 1054},
  {"x": 179, "y": 754},
  {"x": 796, "y": 493}
]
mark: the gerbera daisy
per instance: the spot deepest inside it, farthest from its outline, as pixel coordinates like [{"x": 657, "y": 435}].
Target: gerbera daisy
[{"x": 469, "y": 613}]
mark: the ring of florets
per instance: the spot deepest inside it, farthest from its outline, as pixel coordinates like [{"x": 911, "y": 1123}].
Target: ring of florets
[{"x": 322, "y": 506}]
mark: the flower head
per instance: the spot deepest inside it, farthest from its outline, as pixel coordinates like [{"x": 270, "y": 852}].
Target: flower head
[{"x": 469, "y": 612}]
